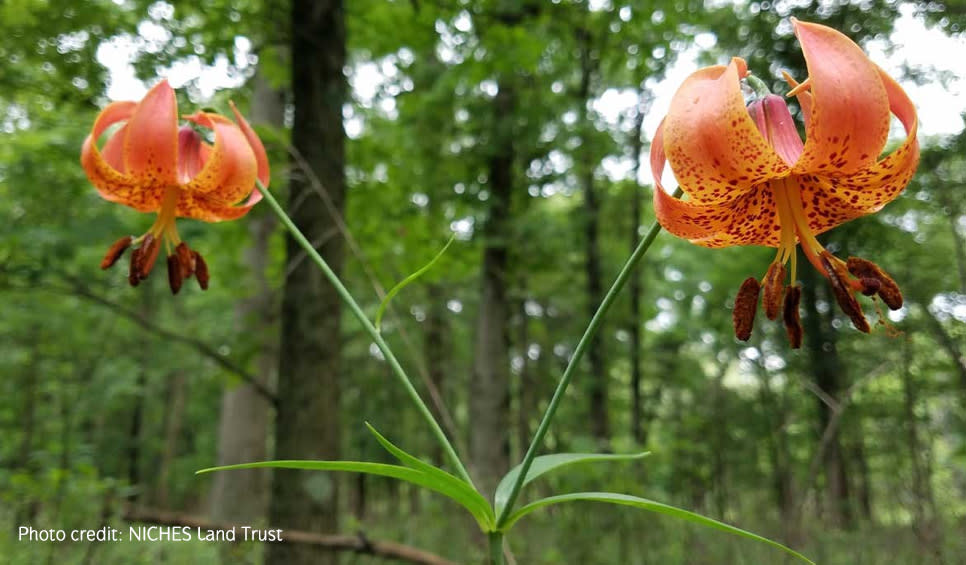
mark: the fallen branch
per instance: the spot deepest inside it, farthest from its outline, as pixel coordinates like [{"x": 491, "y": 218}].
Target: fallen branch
[{"x": 358, "y": 543}]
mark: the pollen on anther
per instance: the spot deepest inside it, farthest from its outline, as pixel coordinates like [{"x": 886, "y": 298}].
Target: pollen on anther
[
  {"x": 774, "y": 286},
  {"x": 746, "y": 302},
  {"x": 791, "y": 317},
  {"x": 115, "y": 251}
]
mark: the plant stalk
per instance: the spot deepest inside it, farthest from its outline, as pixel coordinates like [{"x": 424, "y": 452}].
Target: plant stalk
[
  {"x": 568, "y": 373},
  {"x": 495, "y": 546},
  {"x": 397, "y": 369}
]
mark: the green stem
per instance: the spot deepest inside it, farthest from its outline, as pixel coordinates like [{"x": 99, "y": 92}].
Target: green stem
[
  {"x": 568, "y": 373},
  {"x": 495, "y": 545},
  {"x": 370, "y": 329}
]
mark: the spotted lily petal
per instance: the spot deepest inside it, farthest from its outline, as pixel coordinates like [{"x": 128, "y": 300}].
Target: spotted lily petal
[
  {"x": 849, "y": 119},
  {"x": 229, "y": 172},
  {"x": 203, "y": 207},
  {"x": 875, "y": 186},
  {"x": 113, "y": 150},
  {"x": 715, "y": 150},
  {"x": 106, "y": 172},
  {"x": 830, "y": 202},
  {"x": 151, "y": 143},
  {"x": 256, "y": 144},
  {"x": 747, "y": 219}
]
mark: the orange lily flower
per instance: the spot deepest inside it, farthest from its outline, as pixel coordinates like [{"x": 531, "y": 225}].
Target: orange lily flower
[
  {"x": 153, "y": 165},
  {"x": 751, "y": 180}
]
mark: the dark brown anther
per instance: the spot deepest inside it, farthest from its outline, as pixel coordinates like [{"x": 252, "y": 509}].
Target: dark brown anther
[
  {"x": 870, "y": 286},
  {"x": 774, "y": 285},
  {"x": 201, "y": 270},
  {"x": 186, "y": 260},
  {"x": 743, "y": 316},
  {"x": 115, "y": 251},
  {"x": 790, "y": 316},
  {"x": 149, "y": 254},
  {"x": 843, "y": 294},
  {"x": 888, "y": 289},
  {"x": 134, "y": 274},
  {"x": 174, "y": 273}
]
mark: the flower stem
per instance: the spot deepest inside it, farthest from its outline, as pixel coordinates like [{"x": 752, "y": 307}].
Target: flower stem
[
  {"x": 568, "y": 373},
  {"x": 371, "y": 330},
  {"x": 495, "y": 546}
]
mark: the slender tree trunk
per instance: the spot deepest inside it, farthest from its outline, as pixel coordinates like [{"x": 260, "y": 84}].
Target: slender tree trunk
[
  {"x": 599, "y": 415},
  {"x": 27, "y": 513},
  {"x": 526, "y": 395},
  {"x": 864, "y": 479},
  {"x": 135, "y": 426},
  {"x": 174, "y": 417},
  {"x": 634, "y": 285},
  {"x": 134, "y": 436},
  {"x": 489, "y": 387},
  {"x": 960, "y": 253},
  {"x": 307, "y": 423},
  {"x": 923, "y": 502},
  {"x": 435, "y": 349},
  {"x": 718, "y": 433},
  {"x": 783, "y": 484},
  {"x": 828, "y": 374},
  {"x": 245, "y": 414},
  {"x": 959, "y": 247},
  {"x": 358, "y": 497},
  {"x": 949, "y": 344}
]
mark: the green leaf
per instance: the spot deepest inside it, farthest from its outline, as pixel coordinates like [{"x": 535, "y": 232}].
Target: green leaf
[
  {"x": 643, "y": 503},
  {"x": 470, "y": 498},
  {"x": 394, "y": 471},
  {"x": 546, "y": 463},
  {"x": 406, "y": 281}
]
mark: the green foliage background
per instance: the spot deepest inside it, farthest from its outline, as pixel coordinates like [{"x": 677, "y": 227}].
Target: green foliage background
[{"x": 81, "y": 352}]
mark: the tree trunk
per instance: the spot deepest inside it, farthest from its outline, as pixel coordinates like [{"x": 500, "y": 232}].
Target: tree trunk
[
  {"x": 949, "y": 344},
  {"x": 828, "y": 374},
  {"x": 489, "y": 387},
  {"x": 781, "y": 460},
  {"x": 599, "y": 415},
  {"x": 923, "y": 503},
  {"x": 27, "y": 513},
  {"x": 863, "y": 476},
  {"x": 718, "y": 434},
  {"x": 245, "y": 414},
  {"x": 634, "y": 285},
  {"x": 526, "y": 393},
  {"x": 135, "y": 426},
  {"x": 435, "y": 350},
  {"x": 173, "y": 418},
  {"x": 307, "y": 422},
  {"x": 952, "y": 213}
]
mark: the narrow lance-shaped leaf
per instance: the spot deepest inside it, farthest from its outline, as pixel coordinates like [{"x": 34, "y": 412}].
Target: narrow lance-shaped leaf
[
  {"x": 546, "y": 463},
  {"x": 405, "y": 282},
  {"x": 645, "y": 504},
  {"x": 468, "y": 496},
  {"x": 394, "y": 471}
]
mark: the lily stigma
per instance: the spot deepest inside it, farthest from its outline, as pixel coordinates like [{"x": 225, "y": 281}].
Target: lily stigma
[{"x": 751, "y": 180}]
